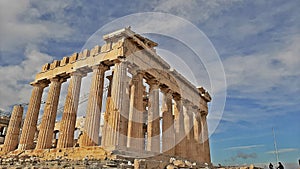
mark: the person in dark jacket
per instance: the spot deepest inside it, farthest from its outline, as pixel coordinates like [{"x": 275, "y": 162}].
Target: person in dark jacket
[
  {"x": 271, "y": 166},
  {"x": 280, "y": 166}
]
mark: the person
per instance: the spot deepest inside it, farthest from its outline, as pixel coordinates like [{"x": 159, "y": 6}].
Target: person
[
  {"x": 271, "y": 166},
  {"x": 280, "y": 166}
]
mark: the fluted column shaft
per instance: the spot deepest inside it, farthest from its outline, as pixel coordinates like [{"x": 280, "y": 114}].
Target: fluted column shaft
[
  {"x": 168, "y": 134},
  {"x": 30, "y": 122},
  {"x": 188, "y": 129},
  {"x": 198, "y": 137},
  {"x": 90, "y": 135},
  {"x": 45, "y": 136},
  {"x": 67, "y": 126},
  {"x": 116, "y": 125},
  {"x": 106, "y": 130},
  {"x": 205, "y": 138},
  {"x": 135, "y": 123},
  {"x": 180, "y": 148},
  {"x": 153, "y": 142},
  {"x": 192, "y": 145},
  {"x": 12, "y": 137},
  {"x": 124, "y": 113}
]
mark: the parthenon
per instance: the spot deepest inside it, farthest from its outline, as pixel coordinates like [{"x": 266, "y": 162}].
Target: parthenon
[{"x": 136, "y": 117}]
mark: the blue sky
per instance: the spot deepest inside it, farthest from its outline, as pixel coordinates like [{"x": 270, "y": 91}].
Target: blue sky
[{"x": 257, "y": 41}]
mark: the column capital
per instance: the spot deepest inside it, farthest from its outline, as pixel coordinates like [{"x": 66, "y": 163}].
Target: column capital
[
  {"x": 168, "y": 93},
  {"x": 138, "y": 74},
  {"x": 77, "y": 73},
  {"x": 203, "y": 113},
  {"x": 101, "y": 67},
  {"x": 40, "y": 84},
  {"x": 57, "y": 79},
  {"x": 123, "y": 60},
  {"x": 177, "y": 98},
  {"x": 134, "y": 70},
  {"x": 153, "y": 83}
]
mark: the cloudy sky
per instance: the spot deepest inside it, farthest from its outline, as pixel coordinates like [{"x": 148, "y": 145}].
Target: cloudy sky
[{"x": 257, "y": 42}]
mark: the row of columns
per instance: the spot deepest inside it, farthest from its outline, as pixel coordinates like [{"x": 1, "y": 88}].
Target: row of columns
[
  {"x": 67, "y": 127},
  {"x": 184, "y": 128}
]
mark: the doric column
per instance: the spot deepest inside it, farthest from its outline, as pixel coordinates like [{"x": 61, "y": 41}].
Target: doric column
[
  {"x": 168, "y": 134},
  {"x": 192, "y": 142},
  {"x": 135, "y": 123},
  {"x": 188, "y": 128},
  {"x": 106, "y": 130},
  {"x": 153, "y": 137},
  {"x": 180, "y": 147},
  {"x": 12, "y": 137},
  {"x": 203, "y": 110},
  {"x": 198, "y": 156},
  {"x": 49, "y": 116},
  {"x": 116, "y": 125},
  {"x": 124, "y": 115},
  {"x": 90, "y": 135},
  {"x": 67, "y": 126},
  {"x": 205, "y": 138},
  {"x": 30, "y": 122}
]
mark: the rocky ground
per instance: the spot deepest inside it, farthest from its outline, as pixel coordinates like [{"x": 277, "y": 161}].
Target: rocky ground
[
  {"x": 96, "y": 157},
  {"x": 35, "y": 163}
]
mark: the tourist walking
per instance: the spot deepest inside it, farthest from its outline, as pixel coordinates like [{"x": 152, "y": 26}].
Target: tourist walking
[{"x": 271, "y": 166}]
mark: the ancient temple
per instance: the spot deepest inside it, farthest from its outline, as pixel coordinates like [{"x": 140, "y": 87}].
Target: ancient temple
[{"x": 135, "y": 118}]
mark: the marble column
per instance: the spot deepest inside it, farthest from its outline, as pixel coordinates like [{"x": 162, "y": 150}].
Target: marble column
[
  {"x": 67, "y": 126},
  {"x": 90, "y": 135},
  {"x": 12, "y": 137},
  {"x": 106, "y": 130},
  {"x": 193, "y": 146},
  {"x": 188, "y": 128},
  {"x": 30, "y": 122},
  {"x": 116, "y": 127},
  {"x": 153, "y": 127},
  {"x": 135, "y": 123},
  {"x": 48, "y": 121},
  {"x": 168, "y": 134},
  {"x": 124, "y": 113},
  {"x": 205, "y": 138},
  {"x": 198, "y": 137},
  {"x": 180, "y": 147}
]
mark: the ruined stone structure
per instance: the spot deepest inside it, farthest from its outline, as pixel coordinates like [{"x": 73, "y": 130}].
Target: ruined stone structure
[
  {"x": 11, "y": 140},
  {"x": 4, "y": 121},
  {"x": 132, "y": 118}
]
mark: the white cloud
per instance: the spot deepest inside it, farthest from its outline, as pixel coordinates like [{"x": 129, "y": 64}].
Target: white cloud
[
  {"x": 244, "y": 147},
  {"x": 260, "y": 72},
  {"x": 284, "y": 150},
  {"x": 14, "y": 78},
  {"x": 268, "y": 80},
  {"x": 196, "y": 11},
  {"x": 21, "y": 24}
]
